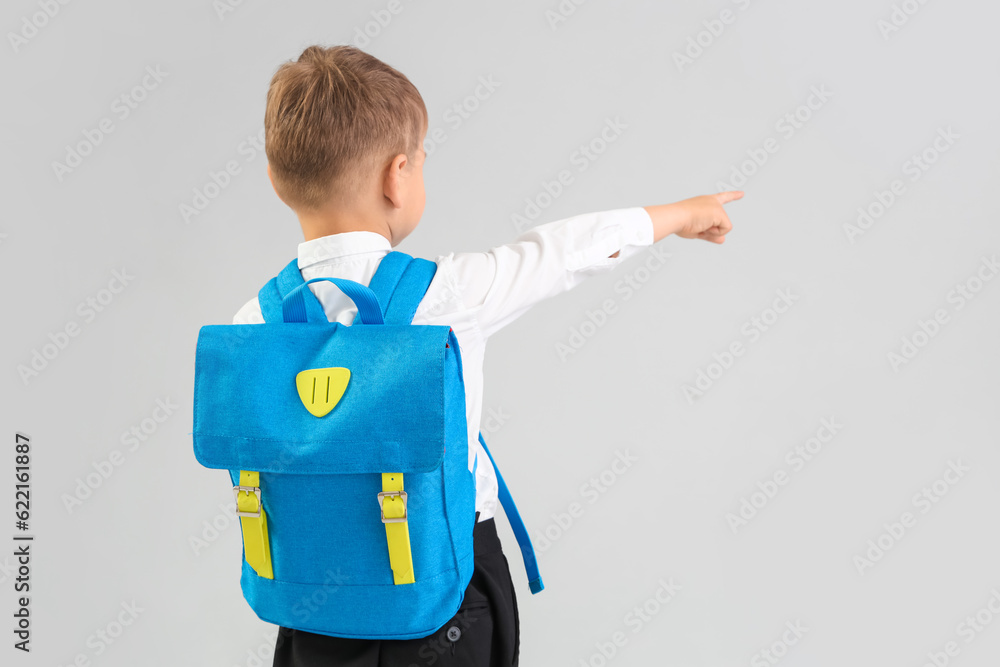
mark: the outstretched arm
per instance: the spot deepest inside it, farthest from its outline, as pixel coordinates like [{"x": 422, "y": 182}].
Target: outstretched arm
[{"x": 504, "y": 282}]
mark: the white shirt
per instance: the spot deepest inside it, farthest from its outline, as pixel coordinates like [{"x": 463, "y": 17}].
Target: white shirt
[{"x": 478, "y": 293}]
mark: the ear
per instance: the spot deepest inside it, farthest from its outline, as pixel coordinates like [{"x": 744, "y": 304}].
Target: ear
[{"x": 393, "y": 183}]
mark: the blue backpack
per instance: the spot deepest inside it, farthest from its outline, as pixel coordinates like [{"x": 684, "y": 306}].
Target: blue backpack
[{"x": 348, "y": 450}]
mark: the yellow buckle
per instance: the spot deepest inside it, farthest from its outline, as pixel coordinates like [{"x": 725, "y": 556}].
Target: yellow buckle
[
  {"x": 381, "y": 498},
  {"x": 249, "y": 489}
]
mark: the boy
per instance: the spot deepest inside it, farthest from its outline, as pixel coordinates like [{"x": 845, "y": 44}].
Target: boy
[{"x": 344, "y": 136}]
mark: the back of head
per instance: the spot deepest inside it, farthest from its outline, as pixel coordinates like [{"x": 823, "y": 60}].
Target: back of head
[{"x": 333, "y": 117}]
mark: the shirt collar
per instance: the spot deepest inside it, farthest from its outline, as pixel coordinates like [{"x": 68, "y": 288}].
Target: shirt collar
[{"x": 341, "y": 245}]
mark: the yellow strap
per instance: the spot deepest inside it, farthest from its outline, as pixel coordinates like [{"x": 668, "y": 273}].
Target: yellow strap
[
  {"x": 255, "y": 544},
  {"x": 397, "y": 533}
]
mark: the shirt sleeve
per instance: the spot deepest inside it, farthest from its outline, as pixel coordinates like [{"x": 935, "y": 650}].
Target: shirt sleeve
[
  {"x": 249, "y": 313},
  {"x": 502, "y": 283}
]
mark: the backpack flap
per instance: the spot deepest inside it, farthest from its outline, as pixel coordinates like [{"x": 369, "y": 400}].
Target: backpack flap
[{"x": 251, "y": 413}]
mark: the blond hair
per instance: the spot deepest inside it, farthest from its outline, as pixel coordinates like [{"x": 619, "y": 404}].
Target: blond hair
[{"x": 334, "y": 116}]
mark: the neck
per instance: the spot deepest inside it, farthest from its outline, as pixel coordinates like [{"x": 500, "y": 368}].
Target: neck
[{"x": 327, "y": 222}]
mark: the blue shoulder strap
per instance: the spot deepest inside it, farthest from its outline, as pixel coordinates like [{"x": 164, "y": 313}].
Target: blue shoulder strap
[
  {"x": 517, "y": 525},
  {"x": 270, "y": 295},
  {"x": 400, "y": 283},
  {"x": 387, "y": 276}
]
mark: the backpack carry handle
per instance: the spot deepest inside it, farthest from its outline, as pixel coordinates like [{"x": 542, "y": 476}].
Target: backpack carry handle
[{"x": 293, "y": 306}]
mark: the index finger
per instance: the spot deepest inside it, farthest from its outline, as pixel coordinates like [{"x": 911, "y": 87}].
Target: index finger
[{"x": 729, "y": 195}]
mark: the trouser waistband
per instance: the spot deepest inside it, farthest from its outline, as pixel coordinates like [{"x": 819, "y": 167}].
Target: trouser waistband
[{"x": 484, "y": 537}]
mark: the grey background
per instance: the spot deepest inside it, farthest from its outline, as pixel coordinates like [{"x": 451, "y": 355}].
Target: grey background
[{"x": 665, "y": 516}]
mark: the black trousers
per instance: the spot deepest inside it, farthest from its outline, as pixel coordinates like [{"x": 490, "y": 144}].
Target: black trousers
[{"x": 483, "y": 633}]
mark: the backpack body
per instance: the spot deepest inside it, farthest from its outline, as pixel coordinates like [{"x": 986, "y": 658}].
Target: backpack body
[{"x": 348, "y": 451}]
